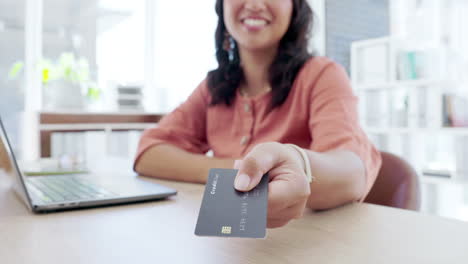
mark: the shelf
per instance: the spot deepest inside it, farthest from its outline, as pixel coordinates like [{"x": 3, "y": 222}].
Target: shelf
[
  {"x": 130, "y": 97},
  {"x": 387, "y": 130},
  {"x": 403, "y": 84},
  {"x": 440, "y": 180},
  {"x": 404, "y": 130},
  {"x": 95, "y": 126}
]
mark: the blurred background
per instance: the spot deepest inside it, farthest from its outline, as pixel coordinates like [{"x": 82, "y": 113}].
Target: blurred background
[{"x": 81, "y": 79}]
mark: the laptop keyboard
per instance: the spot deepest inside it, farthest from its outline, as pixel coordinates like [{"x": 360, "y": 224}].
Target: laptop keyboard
[{"x": 65, "y": 188}]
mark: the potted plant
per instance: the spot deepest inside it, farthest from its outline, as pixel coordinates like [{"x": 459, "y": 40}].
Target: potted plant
[{"x": 66, "y": 82}]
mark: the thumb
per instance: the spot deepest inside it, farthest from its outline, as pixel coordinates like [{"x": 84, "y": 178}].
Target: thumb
[{"x": 252, "y": 168}]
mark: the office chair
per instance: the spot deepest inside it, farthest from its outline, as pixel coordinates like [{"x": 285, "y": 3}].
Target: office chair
[{"x": 397, "y": 184}]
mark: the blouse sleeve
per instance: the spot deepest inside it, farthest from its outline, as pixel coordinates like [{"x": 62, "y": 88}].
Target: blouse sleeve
[
  {"x": 183, "y": 128},
  {"x": 334, "y": 121}
]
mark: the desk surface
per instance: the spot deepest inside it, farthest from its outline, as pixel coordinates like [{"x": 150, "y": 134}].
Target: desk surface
[{"x": 162, "y": 232}]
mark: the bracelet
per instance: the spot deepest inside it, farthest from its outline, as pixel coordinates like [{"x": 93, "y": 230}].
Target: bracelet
[{"x": 306, "y": 160}]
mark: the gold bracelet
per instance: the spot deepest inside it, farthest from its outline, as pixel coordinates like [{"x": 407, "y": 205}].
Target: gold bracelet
[{"x": 305, "y": 158}]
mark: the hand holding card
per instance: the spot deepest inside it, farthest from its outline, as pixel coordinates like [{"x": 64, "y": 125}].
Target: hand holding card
[
  {"x": 289, "y": 187},
  {"x": 227, "y": 212}
]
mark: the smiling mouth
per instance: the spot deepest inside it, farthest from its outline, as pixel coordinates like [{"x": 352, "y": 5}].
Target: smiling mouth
[{"x": 255, "y": 22}]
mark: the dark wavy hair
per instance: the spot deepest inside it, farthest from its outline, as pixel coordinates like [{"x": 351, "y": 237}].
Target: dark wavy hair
[{"x": 224, "y": 81}]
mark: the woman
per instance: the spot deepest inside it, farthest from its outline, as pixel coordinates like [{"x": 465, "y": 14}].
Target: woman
[{"x": 274, "y": 107}]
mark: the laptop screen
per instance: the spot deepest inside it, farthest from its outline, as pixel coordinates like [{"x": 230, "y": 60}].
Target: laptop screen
[{"x": 9, "y": 166}]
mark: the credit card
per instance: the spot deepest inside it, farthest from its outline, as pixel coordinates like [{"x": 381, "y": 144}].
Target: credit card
[{"x": 226, "y": 212}]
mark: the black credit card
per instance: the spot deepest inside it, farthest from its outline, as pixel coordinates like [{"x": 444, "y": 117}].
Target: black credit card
[{"x": 226, "y": 212}]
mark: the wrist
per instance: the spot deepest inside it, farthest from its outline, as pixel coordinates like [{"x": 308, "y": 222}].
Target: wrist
[{"x": 304, "y": 161}]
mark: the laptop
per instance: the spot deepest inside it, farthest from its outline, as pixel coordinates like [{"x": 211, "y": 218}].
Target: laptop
[{"x": 50, "y": 193}]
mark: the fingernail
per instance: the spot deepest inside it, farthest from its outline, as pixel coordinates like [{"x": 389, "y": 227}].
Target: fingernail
[{"x": 242, "y": 182}]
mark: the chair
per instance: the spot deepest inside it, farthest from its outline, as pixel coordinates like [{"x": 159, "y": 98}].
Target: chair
[{"x": 397, "y": 184}]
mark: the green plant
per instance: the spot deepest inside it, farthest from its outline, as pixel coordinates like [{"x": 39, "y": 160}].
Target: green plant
[
  {"x": 67, "y": 68},
  {"x": 15, "y": 70}
]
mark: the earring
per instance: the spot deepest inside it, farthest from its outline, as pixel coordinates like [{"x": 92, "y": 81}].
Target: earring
[
  {"x": 229, "y": 45},
  {"x": 232, "y": 46}
]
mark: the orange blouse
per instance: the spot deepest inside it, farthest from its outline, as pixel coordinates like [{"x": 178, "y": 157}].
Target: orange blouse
[{"x": 319, "y": 114}]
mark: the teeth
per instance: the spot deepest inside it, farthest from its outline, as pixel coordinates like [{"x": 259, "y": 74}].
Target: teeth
[{"x": 255, "y": 22}]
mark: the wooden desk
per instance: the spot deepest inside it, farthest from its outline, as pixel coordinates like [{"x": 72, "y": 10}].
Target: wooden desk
[
  {"x": 162, "y": 232},
  {"x": 83, "y": 121}
]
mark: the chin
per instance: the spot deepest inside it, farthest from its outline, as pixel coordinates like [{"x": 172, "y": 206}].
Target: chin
[{"x": 257, "y": 46}]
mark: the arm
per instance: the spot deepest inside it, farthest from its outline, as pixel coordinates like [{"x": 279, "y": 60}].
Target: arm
[
  {"x": 339, "y": 178},
  {"x": 176, "y": 148},
  {"x": 343, "y": 159},
  {"x": 289, "y": 189},
  {"x": 169, "y": 162}
]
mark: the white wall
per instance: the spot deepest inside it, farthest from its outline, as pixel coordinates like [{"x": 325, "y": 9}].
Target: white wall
[
  {"x": 317, "y": 43},
  {"x": 184, "y": 48}
]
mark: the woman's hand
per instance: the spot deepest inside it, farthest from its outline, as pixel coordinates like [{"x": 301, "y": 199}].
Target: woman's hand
[{"x": 289, "y": 188}]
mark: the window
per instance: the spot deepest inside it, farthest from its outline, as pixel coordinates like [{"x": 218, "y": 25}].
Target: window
[
  {"x": 103, "y": 39},
  {"x": 11, "y": 65},
  {"x": 121, "y": 42}
]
